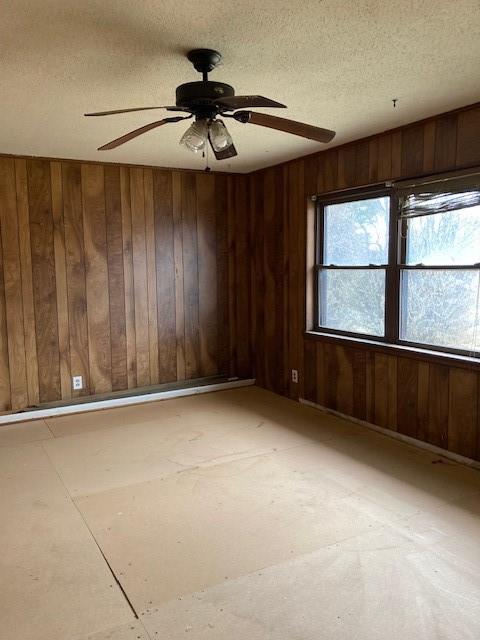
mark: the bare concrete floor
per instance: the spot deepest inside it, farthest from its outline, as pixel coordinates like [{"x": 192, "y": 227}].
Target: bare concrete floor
[{"x": 233, "y": 515}]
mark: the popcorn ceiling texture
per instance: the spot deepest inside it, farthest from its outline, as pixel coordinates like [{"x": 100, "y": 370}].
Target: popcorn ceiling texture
[{"x": 336, "y": 64}]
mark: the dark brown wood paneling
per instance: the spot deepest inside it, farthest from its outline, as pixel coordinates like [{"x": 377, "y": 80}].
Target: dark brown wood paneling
[
  {"x": 468, "y": 138},
  {"x": 43, "y": 269},
  {"x": 404, "y": 393},
  {"x": 61, "y": 278},
  {"x": 407, "y": 398},
  {"x": 110, "y": 272},
  {"x": 75, "y": 270},
  {"x": 462, "y": 411},
  {"x": 116, "y": 283},
  {"x": 190, "y": 274},
  {"x": 412, "y": 150},
  {"x": 97, "y": 287},
  {"x": 31, "y": 362},
  {"x": 139, "y": 253},
  {"x": 207, "y": 274},
  {"x": 12, "y": 284},
  {"x": 163, "y": 214},
  {"x": 446, "y": 142}
]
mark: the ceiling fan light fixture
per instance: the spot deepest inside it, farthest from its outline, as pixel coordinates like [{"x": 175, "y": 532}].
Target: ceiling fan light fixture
[
  {"x": 219, "y": 136},
  {"x": 195, "y": 137}
]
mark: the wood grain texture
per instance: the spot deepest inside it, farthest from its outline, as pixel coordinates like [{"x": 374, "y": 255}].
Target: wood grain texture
[
  {"x": 207, "y": 274},
  {"x": 165, "y": 275},
  {"x": 75, "y": 269},
  {"x": 43, "y": 270},
  {"x": 12, "y": 284},
  {"x": 140, "y": 284},
  {"x": 116, "y": 282},
  {"x": 97, "y": 286},
  {"x": 151, "y": 275},
  {"x": 121, "y": 275},
  {"x": 128, "y": 277},
  {"x": 5, "y": 395},
  {"x": 190, "y": 276},
  {"x": 31, "y": 362},
  {"x": 419, "y": 398},
  {"x": 61, "y": 278}
]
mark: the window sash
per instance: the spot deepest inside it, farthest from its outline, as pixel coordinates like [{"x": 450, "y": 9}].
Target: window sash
[{"x": 396, "y": 263}]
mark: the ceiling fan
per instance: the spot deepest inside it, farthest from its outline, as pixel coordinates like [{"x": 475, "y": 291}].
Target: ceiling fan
[{"x": 208, "y": 102}]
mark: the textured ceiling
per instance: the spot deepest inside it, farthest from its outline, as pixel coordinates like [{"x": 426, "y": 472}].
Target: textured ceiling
[{"x": 336, "y": 64}]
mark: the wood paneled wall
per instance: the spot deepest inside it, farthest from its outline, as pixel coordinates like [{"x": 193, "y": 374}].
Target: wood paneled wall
[
  {"x": 427, "y": 399},
  {"x": 128, "y": 276}
]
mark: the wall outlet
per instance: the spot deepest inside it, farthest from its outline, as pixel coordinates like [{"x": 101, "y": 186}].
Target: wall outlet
[
  {"x": 77, "y": 383},
  {"x": 294, "y": 375}
]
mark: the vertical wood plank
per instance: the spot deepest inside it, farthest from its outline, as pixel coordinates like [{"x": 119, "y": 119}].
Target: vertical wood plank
[
  {"x": 207, "y": 273},
  {"x": 232, "y": 277},
  {"x": 373, "y": 160},
  {"x": 260, "y": 337},
  {"x": 151, "y": 275},
  {"x": 27, "y": 282},
  {"x": 468, "y": 138},
  {"x": 396, "y": 154},
  {"x": 97, "y": 286},
  {"x": 344, "y": 380},
  {"x": 140, "y": 284},
  {"x": 438, "y": 395},
  {"x": 385, "y": 157},
  {"x": 61, "y": 278},
  {"x": 362, "y": 163},
  {"x": 179, "y": 275},
  {"x": 446, "y": 142},
  {"x": 462, "y": 412},
  {"x": 359, "y": 384},
  {"x": 429, "y": 131},
  {"x": 125, "y": 202},
  {"x": 407, "y": 370},
  {"x": 190, "y": 276},
  {"x": 370, "y": 386},
  {"x": 164, "y": 251},
  {"x": 301, "y": 208},
  {"x": 5, "y": 398},
  {"x": 381, "y": 395},
  {"x": 75, "y": 274},
  {"x": 412, "y": 150},
  {"x": 310, "y": 371},
  {"x": 422, "y": 400},
  {"x": 116, "y": 281},
  {"x": 222, "y": 271},
  {"x": 242, "y": 280},
  {"x": 43, "y": 272},
  {"x": 12, "y": 284}
]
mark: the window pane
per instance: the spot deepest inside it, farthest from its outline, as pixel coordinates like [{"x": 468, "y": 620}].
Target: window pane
[
  {"x": 353, "y": 300},
  {"x": 356, "y": 233},
  {"x": 445, "y": 238},
  {"x": 441, "y": 308}
]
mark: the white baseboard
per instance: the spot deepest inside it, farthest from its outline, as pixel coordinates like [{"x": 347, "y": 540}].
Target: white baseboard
[
  {"x": 95, "y": 405},
  {"x": 398, "y": 436}
]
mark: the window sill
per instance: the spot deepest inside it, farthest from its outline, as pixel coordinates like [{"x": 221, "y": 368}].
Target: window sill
[{"x": 439, "y": 357}]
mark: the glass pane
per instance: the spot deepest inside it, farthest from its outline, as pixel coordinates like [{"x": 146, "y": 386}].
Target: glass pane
[
  {"x": 445, "y": 238},
  {"x": 441, "y": 308},
  {"x": 353, "y": 300},
  {"x": 356, "y": 233}
]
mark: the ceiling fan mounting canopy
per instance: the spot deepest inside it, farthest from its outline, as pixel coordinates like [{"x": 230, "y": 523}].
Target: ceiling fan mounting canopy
[{"x": 204, "y": 60}]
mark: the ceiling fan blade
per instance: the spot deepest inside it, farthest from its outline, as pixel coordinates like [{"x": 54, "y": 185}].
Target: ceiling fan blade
[
  {"x": 138, "y": 132},
  {"x": 242, "y": 102},
  {"x": 111, "y": 113},
  {"x": 229, "y": 152},
  {"x": 289, "y": 126}
]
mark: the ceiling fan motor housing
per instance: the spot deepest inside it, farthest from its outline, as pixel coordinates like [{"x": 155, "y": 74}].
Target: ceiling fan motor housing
[{"x": 199, "y": 96}]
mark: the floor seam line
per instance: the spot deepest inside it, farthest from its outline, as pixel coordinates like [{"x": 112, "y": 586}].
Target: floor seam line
[{"x": 119, "y": 584}]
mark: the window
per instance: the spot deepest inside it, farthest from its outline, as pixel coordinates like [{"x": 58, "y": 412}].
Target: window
[{"x": 402, "y": 265}]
